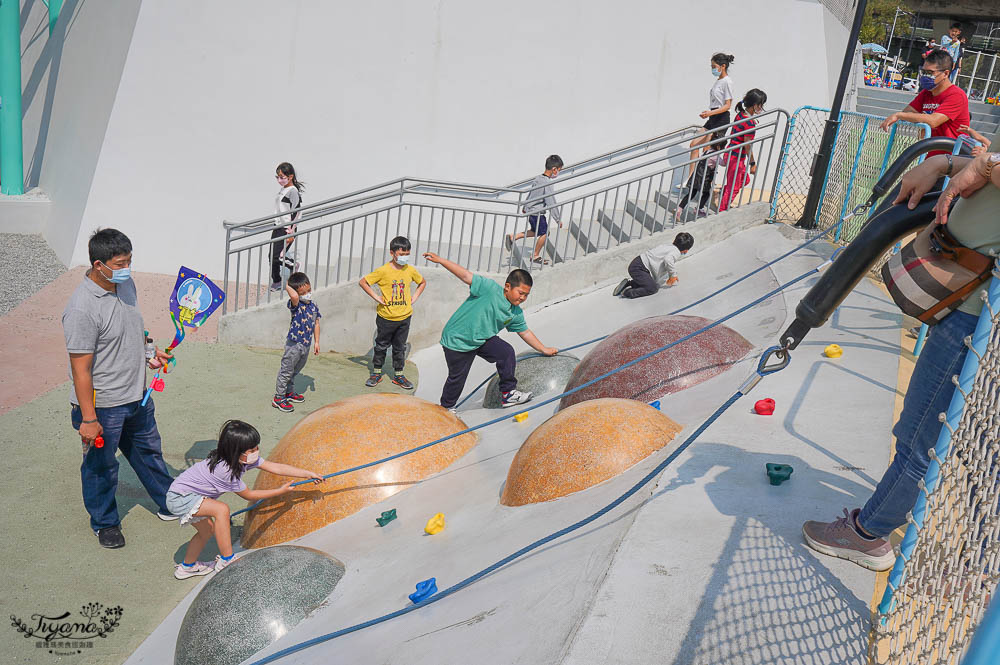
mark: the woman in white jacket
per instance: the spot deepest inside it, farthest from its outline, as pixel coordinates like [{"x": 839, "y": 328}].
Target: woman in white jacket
[{"x": 286, "y": 204}]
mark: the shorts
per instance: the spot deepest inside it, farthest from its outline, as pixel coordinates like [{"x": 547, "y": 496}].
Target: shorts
[
  {"x": 719, "y": 120},
  {"x": 540, "y": 222},
  {"x": 185, "y": 505}
]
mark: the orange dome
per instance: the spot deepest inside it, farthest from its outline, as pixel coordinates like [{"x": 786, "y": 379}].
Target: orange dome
[
  {"x": 344, "y": 434},
  {"x": 583, "y": 445}
]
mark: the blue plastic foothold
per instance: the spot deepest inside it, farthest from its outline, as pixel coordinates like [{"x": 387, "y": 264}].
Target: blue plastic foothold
[
  {"x": 425, "y": 589},
  {"x": 655, "y": 405}
]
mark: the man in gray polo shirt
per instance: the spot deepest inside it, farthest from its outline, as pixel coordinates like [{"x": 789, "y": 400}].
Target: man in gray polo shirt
[{"x": 104, "y": 337}]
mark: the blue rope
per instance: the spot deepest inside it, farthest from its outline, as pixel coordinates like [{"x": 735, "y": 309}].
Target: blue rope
[
  {"x": 762, "y": 370},
  {"x": 556, "y": 397},
  {"x": 676, "y": 311}
]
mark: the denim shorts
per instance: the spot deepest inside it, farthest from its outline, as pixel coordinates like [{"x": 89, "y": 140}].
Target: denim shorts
[{"x": 185, "y": 505}]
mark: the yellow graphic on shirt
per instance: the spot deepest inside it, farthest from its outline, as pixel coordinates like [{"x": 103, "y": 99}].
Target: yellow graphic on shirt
[{"x": 395, "y": 287}]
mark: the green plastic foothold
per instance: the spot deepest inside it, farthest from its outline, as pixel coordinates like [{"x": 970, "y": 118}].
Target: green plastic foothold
[
  {"x": 387, "y": 517},
  {"x": 778, "y": 473}
]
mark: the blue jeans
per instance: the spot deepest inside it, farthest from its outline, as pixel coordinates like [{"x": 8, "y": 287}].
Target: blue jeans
[
  {"x": 917, "y": 430},
  {"x": 130, "y": 428}
]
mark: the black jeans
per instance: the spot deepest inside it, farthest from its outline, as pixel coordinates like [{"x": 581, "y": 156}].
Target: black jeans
[
  {"x": 391, "y": 333},
  {"x": 493, "y": 350},
  {"x": 278, "y": 246},
  {"x": 642, "y": 282}
]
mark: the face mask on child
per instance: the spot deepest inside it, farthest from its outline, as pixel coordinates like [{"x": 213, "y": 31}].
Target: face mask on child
[
  {"x": 252, "y": 457},
  {"x": 716, "y": 72},
  {"x": 403, "y": 260},
  {"x": 306, "y": 296}
]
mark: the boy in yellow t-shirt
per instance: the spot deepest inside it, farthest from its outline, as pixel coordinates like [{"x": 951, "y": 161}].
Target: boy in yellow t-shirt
[{"x": 392, "y": 316}]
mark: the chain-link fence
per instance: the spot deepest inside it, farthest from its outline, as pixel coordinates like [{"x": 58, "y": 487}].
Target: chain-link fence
[
  {"x": 842, "y": 9},
  {"x": 949, "y": 560}
]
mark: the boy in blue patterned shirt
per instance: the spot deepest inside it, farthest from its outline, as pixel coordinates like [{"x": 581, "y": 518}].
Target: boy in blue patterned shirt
[{"x": 302, "y": 332}]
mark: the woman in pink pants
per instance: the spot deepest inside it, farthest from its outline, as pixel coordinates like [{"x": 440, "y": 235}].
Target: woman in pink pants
[{"x": 738, "y": 152}]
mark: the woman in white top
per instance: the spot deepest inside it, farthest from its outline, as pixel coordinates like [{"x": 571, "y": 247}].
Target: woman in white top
[
  {"x": 720, "y": 99},
  {"x": 286, "y": 204}
]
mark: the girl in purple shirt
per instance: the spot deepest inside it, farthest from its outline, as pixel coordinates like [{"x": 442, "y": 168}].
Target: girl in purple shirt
[{"x": 194, "y": 494}]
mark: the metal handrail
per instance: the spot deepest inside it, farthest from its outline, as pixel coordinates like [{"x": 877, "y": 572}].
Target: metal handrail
[{"x": 366, "y": 215}]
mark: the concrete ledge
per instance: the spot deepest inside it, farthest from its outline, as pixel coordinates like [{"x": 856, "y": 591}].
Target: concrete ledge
[
  {"x": 26, "y": 213},
  {"x": 348, "y": 323}
]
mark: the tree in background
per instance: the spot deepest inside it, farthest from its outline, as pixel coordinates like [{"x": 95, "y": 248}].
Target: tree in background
[{"x": 877, "y": 23}]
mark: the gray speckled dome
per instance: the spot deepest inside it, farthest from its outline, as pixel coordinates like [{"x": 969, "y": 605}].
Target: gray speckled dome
[
  {"x": 540, "y": 375},
  {"x": 254, "y": 601}
]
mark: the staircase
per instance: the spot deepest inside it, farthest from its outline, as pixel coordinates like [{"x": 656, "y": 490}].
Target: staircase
[{"x": 883, "y": 101}]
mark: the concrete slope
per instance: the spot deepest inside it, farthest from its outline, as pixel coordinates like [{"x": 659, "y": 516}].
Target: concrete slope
[{"x": 636, "y": 584}]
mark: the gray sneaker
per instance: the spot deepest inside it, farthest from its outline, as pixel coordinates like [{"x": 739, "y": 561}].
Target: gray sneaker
[
  {"x": 839, "y": 538},
  {"x": 622, "y": 285}
]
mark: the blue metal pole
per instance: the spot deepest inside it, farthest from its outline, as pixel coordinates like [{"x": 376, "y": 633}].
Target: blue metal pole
[
  {"x": 850, "y": 183},
  {"x": 11, "y": 150},
  {"x": 986, "y": 642},
  {"x": 943, "y": 446}
]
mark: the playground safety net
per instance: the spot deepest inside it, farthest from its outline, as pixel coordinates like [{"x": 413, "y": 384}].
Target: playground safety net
[{"x": 951, "y": 572}]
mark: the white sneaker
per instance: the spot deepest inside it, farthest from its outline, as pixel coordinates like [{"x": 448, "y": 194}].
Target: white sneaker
[
  {"x": 221, "y": 563},
  {"x": 513, "y": 398},
  {"x": 167, "y": 517},
  {"x": 183, "y": 572}
]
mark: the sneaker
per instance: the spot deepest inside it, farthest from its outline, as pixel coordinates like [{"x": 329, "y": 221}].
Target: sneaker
[
  {"x": 839, "y": 538},
  {"x": 373, "y": 379},
  {"x": 294, "y": 397},
  {"x": 402, "y": 382},
  {"x": 621, "y": 287},
  {"x": 513, "y": 398},
  {"x": 221, "y": 563},
  {"x": 703, "y": 212},
  {"x": 282, "y": 404},
  {"x": 111, "y": 537},
  {"x": 539, "y": 260},
  {"x": 453, "y": 410},
  {"x": 183, "y": 572},
  {"x": 276, "y": 286},
  {"x": 167, "y": 517},
  {"x": 508, "y": 242}
]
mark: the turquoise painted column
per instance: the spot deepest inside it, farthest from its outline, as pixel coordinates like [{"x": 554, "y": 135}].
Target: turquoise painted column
[
  {"x": 54, "y": 7},
  {"x": 11, "y": 152}
]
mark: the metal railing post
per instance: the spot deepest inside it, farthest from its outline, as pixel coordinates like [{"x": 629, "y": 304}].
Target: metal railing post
[
  {"x": 11, "y": 146},
  {"x": 850, "y": 182}
]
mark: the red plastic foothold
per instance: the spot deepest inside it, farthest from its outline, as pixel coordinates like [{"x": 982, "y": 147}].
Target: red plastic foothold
[
  {"x": 158, "y": 385},
  {"x": 764, "y": 407},
  {"x": 99, "y": 442}
]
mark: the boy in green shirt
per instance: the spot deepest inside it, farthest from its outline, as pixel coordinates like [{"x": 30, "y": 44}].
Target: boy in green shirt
[
  {"x": 472, "y": 331},
  {"x": 395, "y": 307}
]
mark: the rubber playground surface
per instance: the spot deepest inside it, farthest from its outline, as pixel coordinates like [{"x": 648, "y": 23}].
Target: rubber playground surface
[{"x": 705, "y": 564}]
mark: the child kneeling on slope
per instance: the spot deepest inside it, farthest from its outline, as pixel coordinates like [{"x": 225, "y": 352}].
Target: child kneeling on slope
[
  {"x": 472, "y": 331},
  {"x": 650, "y": 267},
  {"x": 194, "y": 495}
]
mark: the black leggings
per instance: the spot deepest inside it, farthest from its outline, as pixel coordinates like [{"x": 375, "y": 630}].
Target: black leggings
[{"x": 277, "y": 247}]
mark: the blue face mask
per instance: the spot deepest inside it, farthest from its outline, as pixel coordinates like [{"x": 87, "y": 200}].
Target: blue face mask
[
  {"x": 402, "y": 259},
  {"x": 716, "y": 72},
  {"x": 119, "y": 276},
  {"x": 927, "y": 82}
]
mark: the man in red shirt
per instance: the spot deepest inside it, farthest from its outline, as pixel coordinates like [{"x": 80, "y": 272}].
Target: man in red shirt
[{"x": 941, "y": 104}]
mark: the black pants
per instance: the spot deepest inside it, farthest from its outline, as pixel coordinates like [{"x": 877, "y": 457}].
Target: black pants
[
  {"x": 642, "y": 282},
  {"x": 277, "y": 247},
  {"x": 391, "y": 333},
  {"x": 493, "y": 350},
  {"x": 699, "y": 185}
]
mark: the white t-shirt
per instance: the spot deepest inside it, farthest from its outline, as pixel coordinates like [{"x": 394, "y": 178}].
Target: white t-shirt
[
  {"x": 287, "y": 201},
  {"x": 721, "y": 90}
]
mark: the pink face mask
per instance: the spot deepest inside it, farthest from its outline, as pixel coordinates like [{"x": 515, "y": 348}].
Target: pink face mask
[{"x": 283, "y": 180}]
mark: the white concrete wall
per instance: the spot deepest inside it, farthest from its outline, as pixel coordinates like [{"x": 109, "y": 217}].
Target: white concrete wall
[{"x": 214, "y": 95}]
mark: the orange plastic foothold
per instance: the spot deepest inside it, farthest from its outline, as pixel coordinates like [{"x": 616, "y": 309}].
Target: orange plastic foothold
[
  {"x": 833, "y": 351},
  {"x": 521, "y": 417},
  {"x": 435, "y": 524},
  {"x": 764, "y": 407}
]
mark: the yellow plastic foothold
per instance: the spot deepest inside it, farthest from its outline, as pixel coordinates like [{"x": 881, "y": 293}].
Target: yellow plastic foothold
[
  {"x": 435, "y": 524},
  {"x": 521, "y": 417},
  {"x": 833, "y": 351}
]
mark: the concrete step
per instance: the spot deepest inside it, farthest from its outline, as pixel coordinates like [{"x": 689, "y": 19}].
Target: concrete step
[
  {"x": 576, "y": 230},
  {"x": 648, "y": 213},
  {"x": 616, "y": 222}
]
